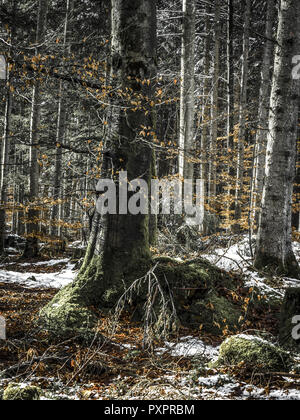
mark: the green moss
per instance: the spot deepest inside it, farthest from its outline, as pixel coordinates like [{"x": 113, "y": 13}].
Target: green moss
[
  {"x": 215, "y": 314},
  {"x": 198, "y": 290},
  {"x": 16, "y": 392},
  {"x": 254, "y": 353},
  {"x": 67, "y": 316}
]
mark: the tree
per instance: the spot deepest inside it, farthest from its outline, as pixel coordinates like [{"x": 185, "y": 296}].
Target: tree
[
  {"x": 215, "y": 105},
  {"x": 126, "y": 252},
  {"x": 242, "y": 116},
  {"x": 187, "y": 101},
  {"x": 274, "y": 243},
  {"x": 263, "y": 112},
  {"x": 32, "y": 248},
  {"x": 61, "y": 127}
]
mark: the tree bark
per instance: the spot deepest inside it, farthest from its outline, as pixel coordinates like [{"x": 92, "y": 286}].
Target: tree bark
[
  {"x": 242, "y": 119},
  {"x": 274, "y": 243},
  {"x": 263, "y": 114},
  {"x": 187, "y": 96},
  {"x": 60, "y": 134},
  {"x": 32, "y": 247},
  {"x": 215, "y": 106}
]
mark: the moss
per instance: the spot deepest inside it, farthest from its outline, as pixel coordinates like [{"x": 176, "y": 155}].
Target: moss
[
  {"x": 16, "y": 392},
  {"x": 254, "y": 353},
  {"x": 69, "y": 313},
  {"x": 67, "y": 316},
  {"x": 215, "y": 314},
  {"x": 198, "y": 291}
]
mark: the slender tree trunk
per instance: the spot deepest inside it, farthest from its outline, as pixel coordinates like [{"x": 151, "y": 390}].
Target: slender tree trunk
[
  {"x": 206, "y": 109},
  {"x": 230, "y": 109},
  {"x": 263, "y": 114},
  {"x": 242, "y": 119},
  {"x": 4, "y": 165},
  {"x": 60, "y": 134},
  {"x": 187, "y": 100},
  {"x": 215, "y": 106},
  {"x": 32, "y": 248},
  {"x": 6, "y": 144},
  {"x": 274, "y": 243}
]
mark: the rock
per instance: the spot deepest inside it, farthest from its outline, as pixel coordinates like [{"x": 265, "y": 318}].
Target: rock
[
  {"x": 17, "y": 392},
  {"x": 215, "y": 314},
  {"x": 255, "y": 353}
]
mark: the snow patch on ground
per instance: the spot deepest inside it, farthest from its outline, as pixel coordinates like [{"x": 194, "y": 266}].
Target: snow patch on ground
[
  {"x": 41, "y": 280},
  {"x": 189, "y": 347},
  {"x": 238, "y": 258}
]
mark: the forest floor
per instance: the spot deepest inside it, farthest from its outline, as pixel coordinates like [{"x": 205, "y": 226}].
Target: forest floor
[{"x": 119, "y": 367}]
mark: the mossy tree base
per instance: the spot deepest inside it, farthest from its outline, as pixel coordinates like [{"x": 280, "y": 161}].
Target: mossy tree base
[
  {"x": 275, "y": 266},
  {"x": 197, "y": 290}
]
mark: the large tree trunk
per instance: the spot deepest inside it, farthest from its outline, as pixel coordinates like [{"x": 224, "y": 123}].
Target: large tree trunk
[
  {"x": 32, "y": 249},
  {"x": 125, "y": 254},
  {"x": 274, "y": 243}
]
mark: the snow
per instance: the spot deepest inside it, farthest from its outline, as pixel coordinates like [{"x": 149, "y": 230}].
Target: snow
[
  {"x": 41, "y": 280},
  {"x": 47, "y": 263},
  {"x": 189, "y": 347},
  {"x": 238, "y": 258}
]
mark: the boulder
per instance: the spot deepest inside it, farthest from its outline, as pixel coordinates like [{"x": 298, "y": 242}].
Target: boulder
[
  {"x": 254, "y": 353},
  {"x": 18, "y": 392}
]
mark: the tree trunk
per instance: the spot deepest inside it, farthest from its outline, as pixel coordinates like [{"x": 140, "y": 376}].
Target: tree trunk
[
  {"x": 263, "y": 114},
  {"x": 230, "y": 110},
  {"x": 215, "y": 106},
  {"x": 274, "y": 244},
  {"x": 126, "y": 252},
  {"x": 60, "y": 134},
  {"x": 187, "y": 100},
  {"x": 32, "y": 248},
  {"x": 242, "y": 120}
]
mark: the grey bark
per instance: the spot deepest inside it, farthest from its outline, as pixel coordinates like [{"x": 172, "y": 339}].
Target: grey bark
[
  {"x": 60, "y": 134},
  {"x": 263, "y": 113},
  {"x": 274, "y": 243},
  {"x": 242, "y": 118},
  {"x": 31, "y": 249},
  {"x": 215, "y": 105},
  {"x": 187, "y": 99}
]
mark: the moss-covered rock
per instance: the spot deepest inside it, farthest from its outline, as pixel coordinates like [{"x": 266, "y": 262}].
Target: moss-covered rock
[
  {"x": 255, "y": 354},
  {"x": 17, "y": 392},
  {"x": 199, "y": 295},
  {"x": 214, "y": 313}
]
